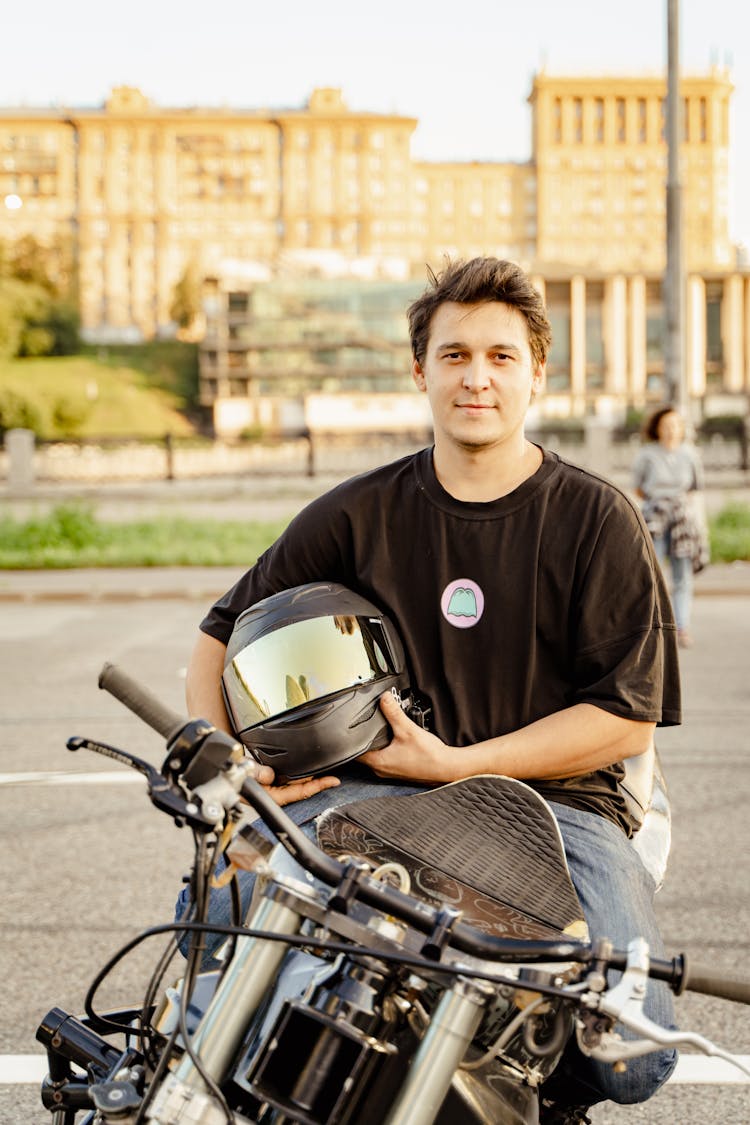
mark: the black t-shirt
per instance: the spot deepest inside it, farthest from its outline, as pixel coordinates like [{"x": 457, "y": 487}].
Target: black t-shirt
[{"x": 509, "y": 610}]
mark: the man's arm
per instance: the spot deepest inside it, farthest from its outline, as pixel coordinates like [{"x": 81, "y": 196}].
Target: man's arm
[
  {"x": 203, "y": 682},
  {"x": 570, "y": 743}
]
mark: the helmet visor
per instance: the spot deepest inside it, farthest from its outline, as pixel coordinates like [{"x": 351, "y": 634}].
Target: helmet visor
[{"x": 304, "y": 661}]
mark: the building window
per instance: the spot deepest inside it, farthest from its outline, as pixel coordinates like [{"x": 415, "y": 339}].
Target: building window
[
  {"x": 594, "y": 335},
  {"x": 599, "y": 120},
  {"x": 620, "y": 134},
  {"x": 714, "y": 343},
  {"x": 558, "y": 312},
  {"x": 237, "y": 302},
  {"x": 655, "y": 329}
]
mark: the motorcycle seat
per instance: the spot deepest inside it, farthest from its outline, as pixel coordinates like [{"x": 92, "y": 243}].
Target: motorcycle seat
[{"x": 488, "y": 846}]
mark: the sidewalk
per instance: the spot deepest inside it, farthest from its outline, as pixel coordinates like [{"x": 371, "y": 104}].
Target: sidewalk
[{"x": 206, "y": 583}]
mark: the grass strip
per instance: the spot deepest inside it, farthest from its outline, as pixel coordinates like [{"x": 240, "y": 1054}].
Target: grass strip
[{"x": 70, "y": 535}]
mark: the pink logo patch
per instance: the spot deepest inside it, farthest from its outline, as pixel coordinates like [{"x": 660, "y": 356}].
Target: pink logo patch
[{"x": 462, "y": 603}]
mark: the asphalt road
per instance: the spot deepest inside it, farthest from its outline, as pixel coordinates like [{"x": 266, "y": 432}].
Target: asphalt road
[{"x": 87, "y": 865}]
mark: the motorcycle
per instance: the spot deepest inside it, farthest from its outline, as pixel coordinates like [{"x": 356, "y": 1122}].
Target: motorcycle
[{"x": 411, "y": 966}]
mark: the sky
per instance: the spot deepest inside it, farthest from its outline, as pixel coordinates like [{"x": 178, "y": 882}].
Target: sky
[{"x": 464, "y": 68}]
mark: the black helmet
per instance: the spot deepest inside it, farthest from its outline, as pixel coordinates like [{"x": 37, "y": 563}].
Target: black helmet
[{"x": 304, "y": 672}]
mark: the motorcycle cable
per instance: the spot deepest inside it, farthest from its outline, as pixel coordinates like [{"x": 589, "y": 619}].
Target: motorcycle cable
[
  {"x": 147, "y": 1030},
  {"x": 203, "y": 868},
  {"x": 302, "y": 941}
]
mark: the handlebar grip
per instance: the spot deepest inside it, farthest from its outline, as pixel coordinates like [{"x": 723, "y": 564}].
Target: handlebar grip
[
  {"x": 698, "y": 978},
  {"x": 140, "y": 701}
]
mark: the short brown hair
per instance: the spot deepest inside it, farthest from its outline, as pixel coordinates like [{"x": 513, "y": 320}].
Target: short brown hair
[{"x": 471, "y": 283}]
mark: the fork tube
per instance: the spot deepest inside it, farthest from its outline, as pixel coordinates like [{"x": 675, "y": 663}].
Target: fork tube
[
  {"x": 451, "y": 1030},
  {"x": 251, "y": 972}
]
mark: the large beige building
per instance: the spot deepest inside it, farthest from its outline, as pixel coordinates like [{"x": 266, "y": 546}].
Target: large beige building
[{"x": 142, "y": 193}]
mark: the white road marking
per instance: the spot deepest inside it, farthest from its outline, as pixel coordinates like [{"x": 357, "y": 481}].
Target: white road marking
[
  {"x": 16, "y": 1070},
  {"x": 71, "y": 777}
]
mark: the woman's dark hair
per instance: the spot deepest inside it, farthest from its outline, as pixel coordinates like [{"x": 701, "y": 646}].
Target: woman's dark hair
[
  {"x": 471, "y": 283},
  {"x": 650, "y": 428}
]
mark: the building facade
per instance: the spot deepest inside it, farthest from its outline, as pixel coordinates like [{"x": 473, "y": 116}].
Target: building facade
[{"x": 258, "y": 198}]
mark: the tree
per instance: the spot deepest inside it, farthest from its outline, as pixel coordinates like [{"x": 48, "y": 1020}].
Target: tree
[
  {"x": 38, "y": 315},
  {"x": 186, "y": 301}
]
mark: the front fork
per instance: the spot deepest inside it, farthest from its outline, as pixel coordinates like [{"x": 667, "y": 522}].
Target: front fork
[
  {"x": 248, "y": 978},
  {"x": 452, "y": 1027}
]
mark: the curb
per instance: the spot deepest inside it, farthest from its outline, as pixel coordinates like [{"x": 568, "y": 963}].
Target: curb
[{"x": 165, "y": 584}]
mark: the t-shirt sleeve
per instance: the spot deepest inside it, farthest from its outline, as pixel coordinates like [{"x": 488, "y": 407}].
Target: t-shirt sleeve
[
  {"x": 307, "y": 551},
  {"x": 625, "y": 637}
]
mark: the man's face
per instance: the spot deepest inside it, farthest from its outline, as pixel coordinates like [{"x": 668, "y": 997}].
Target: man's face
[{"x": 478, "y": 374}]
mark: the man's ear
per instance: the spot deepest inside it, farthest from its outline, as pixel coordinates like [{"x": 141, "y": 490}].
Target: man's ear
[
  {"x": 417, "y": 375},
  {"x": 538, "y": 380}
]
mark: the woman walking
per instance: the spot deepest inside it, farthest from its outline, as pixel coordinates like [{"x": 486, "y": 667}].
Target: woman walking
[{"x": 665, "y": 474}]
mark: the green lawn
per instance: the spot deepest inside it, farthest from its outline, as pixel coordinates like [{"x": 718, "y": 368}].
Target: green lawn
[{"x": 100, "y": 394}]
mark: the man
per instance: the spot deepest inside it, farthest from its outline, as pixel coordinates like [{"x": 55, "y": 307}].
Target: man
[{"x": 563, "y": 657}]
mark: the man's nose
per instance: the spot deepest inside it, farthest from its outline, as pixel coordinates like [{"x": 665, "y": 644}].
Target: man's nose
[{"x": 476, "y": 374}]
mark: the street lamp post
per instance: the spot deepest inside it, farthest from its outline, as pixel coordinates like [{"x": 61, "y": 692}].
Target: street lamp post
[{"x": 674, "y": 278}]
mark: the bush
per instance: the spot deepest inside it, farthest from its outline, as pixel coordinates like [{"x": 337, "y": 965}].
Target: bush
[
  {"x": 17, "y": 412},
  {"x": 728, "y": 425},
  {"x": 730, "y": 533},
  {"x": 35, "y": 323},
  {"x": 35, "y": 340},
  {"x": 69, "y": 416}
]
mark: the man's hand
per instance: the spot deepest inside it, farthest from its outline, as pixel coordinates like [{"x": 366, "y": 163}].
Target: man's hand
[
  {"x": 414, "y": 753},
  {"x": 290, "y": 791}
]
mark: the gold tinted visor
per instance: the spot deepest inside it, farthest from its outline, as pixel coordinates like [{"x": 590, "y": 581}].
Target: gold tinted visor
[{"x": 305, "y": 661}]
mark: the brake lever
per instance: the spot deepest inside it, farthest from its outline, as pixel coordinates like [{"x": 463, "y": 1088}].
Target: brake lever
[
  {"x": 122, "y": 756},
  {"x": 164, "y": 794},
  {"x": 624, "y": 1003}
]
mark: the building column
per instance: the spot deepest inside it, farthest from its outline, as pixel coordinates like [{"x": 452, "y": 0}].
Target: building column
[
  {"x": 637, "y": 339},
  {"x": 745, "y": 332},
  {"x": 578, "y": 344},
  {"x": 695, "y": 350},
  {"x": 615, "y": 336},
  {"x": 732, "y": 334}
]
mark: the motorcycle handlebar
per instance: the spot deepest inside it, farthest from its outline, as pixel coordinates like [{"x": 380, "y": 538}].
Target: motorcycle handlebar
[
  {"x": 140, "y": 701},
  {"x": 380, "y": 895},
  {"x": 699, "y": 978}
]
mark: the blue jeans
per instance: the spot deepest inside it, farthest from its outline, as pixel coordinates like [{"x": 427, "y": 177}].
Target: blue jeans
[
  {"x": 616, "y": 894},
  {"x": 682, "y": 580}
]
